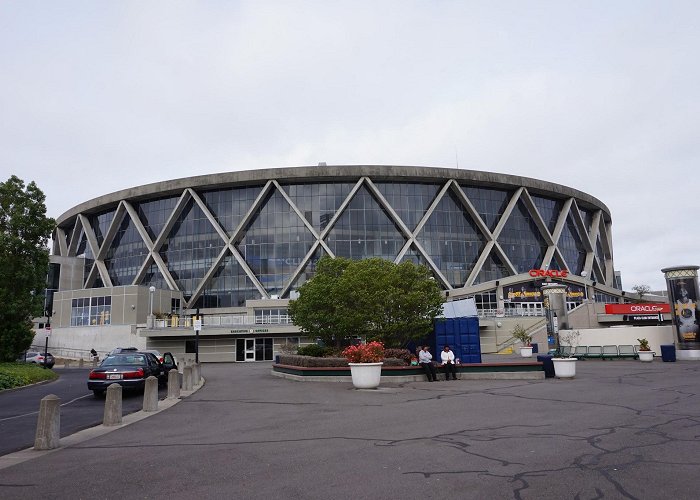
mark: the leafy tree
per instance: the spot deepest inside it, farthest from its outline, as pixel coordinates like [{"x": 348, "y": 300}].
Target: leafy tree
[
  {"x": 24, "y": 260},
  {"x": 641, "y": 290},
  {"x": 372, "y": 298}
]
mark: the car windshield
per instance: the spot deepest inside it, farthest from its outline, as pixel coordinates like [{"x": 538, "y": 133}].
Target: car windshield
[{"x": 128, "y": 359}]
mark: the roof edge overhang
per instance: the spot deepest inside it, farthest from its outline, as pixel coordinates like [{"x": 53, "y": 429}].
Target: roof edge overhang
[{"x": 325, "y": 173}]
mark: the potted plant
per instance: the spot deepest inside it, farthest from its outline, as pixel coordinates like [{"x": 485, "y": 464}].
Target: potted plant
[
  {"x": 565, "y": 366},
  {"x": 519, "y": 333},
  {"x": 365, "y": 361},
  {"x": 645, "y": 352}
]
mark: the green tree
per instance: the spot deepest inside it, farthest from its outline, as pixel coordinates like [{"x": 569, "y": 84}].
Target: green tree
[
  {"x": 24, "y": 260},
  {"x": 372, "y": 298}
]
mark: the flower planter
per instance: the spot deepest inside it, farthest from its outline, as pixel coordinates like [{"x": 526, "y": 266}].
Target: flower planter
[
  {"x": 366, "y": 375},
  {"x": 564, "y": 367},
  {"x": 646, "y": 356},
  {"x": 526, "y": 351}
]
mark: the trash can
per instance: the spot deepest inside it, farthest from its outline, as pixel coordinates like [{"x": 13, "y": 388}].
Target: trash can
[
  {"x": 547, "y": 365},
  {"x": 668, "y": 352},
  {"x": 535, "y": 348}
]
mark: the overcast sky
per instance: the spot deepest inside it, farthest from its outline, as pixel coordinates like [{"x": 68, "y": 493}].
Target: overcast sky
[{"x": 600, "y": 96}]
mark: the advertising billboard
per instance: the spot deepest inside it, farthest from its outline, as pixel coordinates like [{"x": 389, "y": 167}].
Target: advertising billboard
[{"x": 684, "y": 300}]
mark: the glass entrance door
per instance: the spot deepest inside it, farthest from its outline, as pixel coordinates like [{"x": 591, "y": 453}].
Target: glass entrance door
[
  {"x": 249, "y": 349},
  {"x": 245, "y": 349},
  {"x": 254, "y": 349}
]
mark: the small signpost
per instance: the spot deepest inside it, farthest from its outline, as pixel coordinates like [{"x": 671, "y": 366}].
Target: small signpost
[{"x": 197, "y": 327}]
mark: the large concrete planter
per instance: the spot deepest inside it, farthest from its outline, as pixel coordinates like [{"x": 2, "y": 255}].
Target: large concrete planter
[
  {"x": 366, "y": 375},
  {"x": 564, "y": 367},
  {"x": 526, "y": 351},
  {"x": 646, "y": 356}
]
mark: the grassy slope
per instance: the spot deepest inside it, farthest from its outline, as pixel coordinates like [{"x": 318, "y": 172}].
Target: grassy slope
[{"x": 19, "y": 374}]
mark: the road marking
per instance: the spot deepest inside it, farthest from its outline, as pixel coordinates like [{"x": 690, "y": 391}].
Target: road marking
[{"x": 36, "y": 412}]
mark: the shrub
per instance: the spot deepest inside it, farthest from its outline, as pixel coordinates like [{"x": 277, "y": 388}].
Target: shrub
[
  {"x": 372, "y": 352},
  {"x": 394, "y": 362},
  {"x": 403, "y": 354},
  {"x": 314, "y": 350},
  {"x": 312, "y": 361}
]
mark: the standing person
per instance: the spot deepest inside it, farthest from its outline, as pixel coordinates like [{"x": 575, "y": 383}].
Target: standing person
[
  {"x": 448, "y": 361},
  {"x": 426, "y": 361}
]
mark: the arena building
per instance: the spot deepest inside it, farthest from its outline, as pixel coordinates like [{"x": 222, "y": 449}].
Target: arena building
[{"x": 132, "y": 267}]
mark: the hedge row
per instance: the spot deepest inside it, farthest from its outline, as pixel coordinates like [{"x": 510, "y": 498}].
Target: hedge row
[{"x": 314, "y": 362}]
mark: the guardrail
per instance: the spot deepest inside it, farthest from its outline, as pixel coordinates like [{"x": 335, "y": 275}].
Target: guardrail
[
  {"x": 224, "y": 320},
  {"x": 510, "y": 313}
]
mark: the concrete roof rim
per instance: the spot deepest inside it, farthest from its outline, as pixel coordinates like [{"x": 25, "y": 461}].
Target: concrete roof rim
[{"x": 328, "y": 173}]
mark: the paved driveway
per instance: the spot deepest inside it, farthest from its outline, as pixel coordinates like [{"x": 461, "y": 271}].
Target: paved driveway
[{"x": 621, "y": 429}]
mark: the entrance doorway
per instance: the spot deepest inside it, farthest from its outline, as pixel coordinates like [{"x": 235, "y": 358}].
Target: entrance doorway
[{"x": 254, "y": 349}]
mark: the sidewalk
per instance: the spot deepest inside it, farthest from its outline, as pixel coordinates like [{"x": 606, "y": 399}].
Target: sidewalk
[{"x": 621, "y": 429}]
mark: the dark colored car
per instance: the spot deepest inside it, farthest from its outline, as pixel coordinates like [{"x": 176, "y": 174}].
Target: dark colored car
[
  {"x": 130, "y": 370},
  {"x": 40, "y": 358}
]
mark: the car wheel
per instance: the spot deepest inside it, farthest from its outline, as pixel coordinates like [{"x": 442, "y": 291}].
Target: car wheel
[{"x": 99, "y": 394}]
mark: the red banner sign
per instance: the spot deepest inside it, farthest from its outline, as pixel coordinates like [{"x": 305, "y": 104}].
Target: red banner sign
[{"x": 637, "y": 308}]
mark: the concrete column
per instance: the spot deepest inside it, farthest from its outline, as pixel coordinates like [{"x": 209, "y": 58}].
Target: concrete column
[
  {"x": 173, "y": 384},
  {"x": 187, "y": 378},
  {"x": 80, "y": 363},
  {"x": 113, "y": 406},
  {"x": 48, "y": 426},
  {"x": 150, "y": 394}
]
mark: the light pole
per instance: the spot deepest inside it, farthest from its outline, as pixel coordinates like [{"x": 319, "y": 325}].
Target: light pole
[{"x": 151, "y": 319}]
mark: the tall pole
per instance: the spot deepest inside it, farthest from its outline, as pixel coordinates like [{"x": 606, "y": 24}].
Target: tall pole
[{"x": 196, "y": 341}]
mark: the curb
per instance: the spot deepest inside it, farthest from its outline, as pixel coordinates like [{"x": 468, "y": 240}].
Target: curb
[{"x": 93, "y": 432}]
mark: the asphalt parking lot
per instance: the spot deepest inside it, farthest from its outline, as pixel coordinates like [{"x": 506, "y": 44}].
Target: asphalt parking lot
[{"x": 620, "y": 429}]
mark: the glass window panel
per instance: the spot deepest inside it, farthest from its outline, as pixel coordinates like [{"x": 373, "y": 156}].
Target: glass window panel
[
  {"x": 452, "y": 240},
  {"x": 318, "y": 202},
  {"x": 571, "y": 247},
  {"x": 489, "y": 203},
  {"x": 409, "y": 201},
  {"x": 548, "y": 209},
  {"x": 275, "y": 242},
  {"x": 521, "y": 240},
  {"x": 365, "y": 230},
  {"x": 185, "y": 267}
]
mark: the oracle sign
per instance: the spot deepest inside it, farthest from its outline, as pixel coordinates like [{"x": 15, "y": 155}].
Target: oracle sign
[
  {"x": 549, "y": 273},
  {"x": 637, "y": 308}
]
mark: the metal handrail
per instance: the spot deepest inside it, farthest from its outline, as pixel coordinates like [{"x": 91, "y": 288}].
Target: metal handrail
[{"x": 224, "y": 320}]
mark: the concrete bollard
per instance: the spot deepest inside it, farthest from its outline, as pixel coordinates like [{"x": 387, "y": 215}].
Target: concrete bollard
[
  {"x": 113, "y": 406},
  {"x": 173, "y": 384},
  {"x": 196, "y": 374},
  {"x": 48, "y": 426},
  {"x": 150, "y": 394},
  {"x": 187, "y": 379},
  {"x": 80, "y": 363}
]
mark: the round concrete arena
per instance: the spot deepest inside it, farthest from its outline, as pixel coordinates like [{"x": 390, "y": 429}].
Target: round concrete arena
[{"x": 238, "y": 244}]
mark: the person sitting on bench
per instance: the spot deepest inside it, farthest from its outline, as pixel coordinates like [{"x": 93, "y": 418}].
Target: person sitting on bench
[
  {"x": 448, "y": 362},
  {"x": 426, "y": 361}
]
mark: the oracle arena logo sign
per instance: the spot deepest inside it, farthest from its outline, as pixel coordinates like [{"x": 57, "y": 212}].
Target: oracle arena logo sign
[
  {"x": 549, "y": 273},
  {"x": 637, "y": 308}
]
